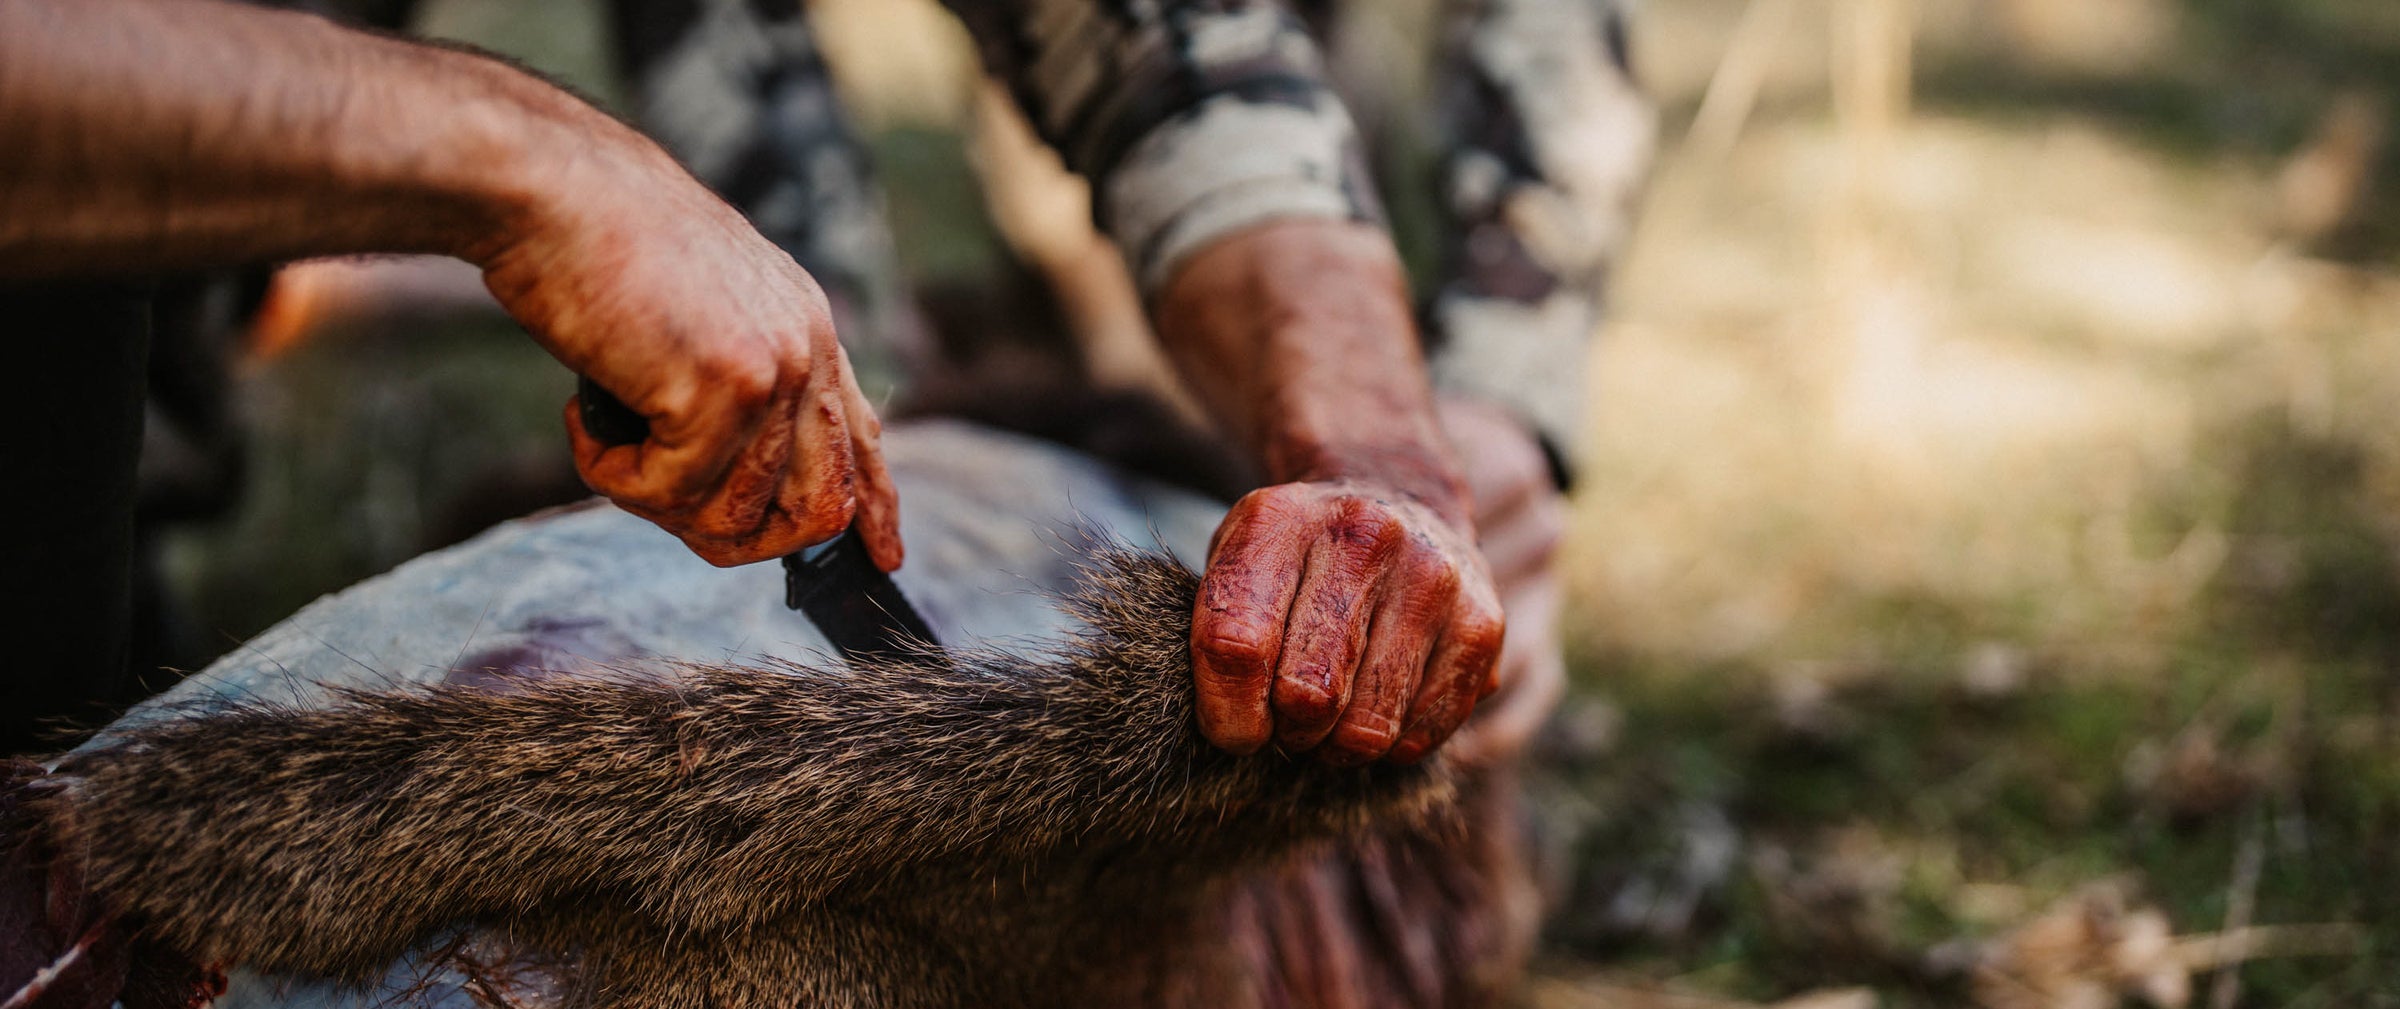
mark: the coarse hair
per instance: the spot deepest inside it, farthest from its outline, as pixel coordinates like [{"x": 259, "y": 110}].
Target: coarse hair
[{"x": 981, "y": 829}]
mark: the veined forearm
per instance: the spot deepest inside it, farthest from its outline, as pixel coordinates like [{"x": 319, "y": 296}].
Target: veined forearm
[
  {"x": 161, "y": 134},
  {"x": 1228, "y": 172},
  {"x": 1297, "y": 335},
  {"x": 148, "y": 135}
]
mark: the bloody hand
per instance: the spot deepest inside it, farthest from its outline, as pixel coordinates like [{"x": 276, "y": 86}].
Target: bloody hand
[
  {"x": 760, "y": 442},
  {"x": 1343, "y": 618},
  {"x": 1347, "y": 610},
  {"x": 172, "y": 135}
]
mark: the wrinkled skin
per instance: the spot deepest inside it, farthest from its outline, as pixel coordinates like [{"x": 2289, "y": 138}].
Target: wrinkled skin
[
  {"x": 760, "y": 441},
  {"x": 1337, "y": 614},
  {"x": 1346, "y": 611}
]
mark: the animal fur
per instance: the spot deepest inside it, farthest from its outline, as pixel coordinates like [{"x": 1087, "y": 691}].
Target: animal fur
[{"x": 994, "y": 830}]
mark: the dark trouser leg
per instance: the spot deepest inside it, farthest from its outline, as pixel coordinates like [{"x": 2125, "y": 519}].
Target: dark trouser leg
[{"x": 73, "y": 425}]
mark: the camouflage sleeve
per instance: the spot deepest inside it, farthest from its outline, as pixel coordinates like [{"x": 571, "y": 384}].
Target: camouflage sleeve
[
  {"x": 738, "y": 91},
  {"x": 1192, "y": 118},
  {"x": 1547, "y": 141}
]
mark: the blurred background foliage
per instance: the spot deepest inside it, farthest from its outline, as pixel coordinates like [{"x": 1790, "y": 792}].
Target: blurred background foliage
[{"x": 1987, "y": 565}]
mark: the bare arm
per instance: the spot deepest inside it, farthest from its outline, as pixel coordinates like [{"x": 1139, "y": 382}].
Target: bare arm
[{"x": 161, "y": 134}]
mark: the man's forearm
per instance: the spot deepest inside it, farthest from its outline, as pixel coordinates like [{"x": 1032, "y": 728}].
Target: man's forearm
[
  {"x": 160, "y": 134},
  {"x": 1210, "y": 133},
  {"x": 1229, "y": 173},
  {"x": 148, "y": 135},
  {"x": 1297, "y": 336}
]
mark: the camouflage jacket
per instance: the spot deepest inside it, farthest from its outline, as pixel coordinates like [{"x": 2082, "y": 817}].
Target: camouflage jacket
[{"x": 1193, "y": 119}]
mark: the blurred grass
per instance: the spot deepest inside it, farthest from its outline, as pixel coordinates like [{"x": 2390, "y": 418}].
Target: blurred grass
[
  {"x": 2010, "y": 512},
  {"x": 2056, "y": 544},
  {"x": 1905, "y": 811}
]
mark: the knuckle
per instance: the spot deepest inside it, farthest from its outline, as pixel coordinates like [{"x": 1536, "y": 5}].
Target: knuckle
[
  {"x": 1273, "y": 501},
  {"x": 1480, "y": 625},
  {"x": 1433, "y": 575},
  {"x": 1234, "y": 649},
  {"x": 742, "y": 378},
  {"x": 1368, "y": 733},
  {"x": 1305, "y": 703},
  {"x": 1268, "y": 519},
  {"x": 823, "y": 439},
  {"x": 1366, "y": 527}
]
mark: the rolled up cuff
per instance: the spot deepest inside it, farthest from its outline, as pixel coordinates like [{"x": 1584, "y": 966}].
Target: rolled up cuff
[{"x": 1233, "y": 161}]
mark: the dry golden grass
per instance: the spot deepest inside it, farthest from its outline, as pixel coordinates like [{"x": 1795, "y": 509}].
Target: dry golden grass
[{"x": 1885, "y": 357}]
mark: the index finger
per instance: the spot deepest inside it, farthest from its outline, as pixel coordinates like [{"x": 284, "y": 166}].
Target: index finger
[
  {"x": 1238, "y": 623},
  {"x": 878, "y": 498}
]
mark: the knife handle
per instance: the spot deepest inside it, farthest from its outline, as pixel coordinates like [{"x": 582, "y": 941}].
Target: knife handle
[{"x": 606, "y": 417}]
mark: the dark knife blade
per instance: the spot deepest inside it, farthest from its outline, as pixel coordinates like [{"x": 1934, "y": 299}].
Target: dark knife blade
[{"x": 857, "y": 606}]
